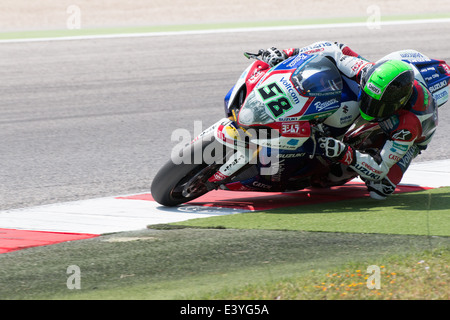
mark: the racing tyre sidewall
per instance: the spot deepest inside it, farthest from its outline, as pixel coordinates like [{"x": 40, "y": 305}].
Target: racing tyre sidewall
[{"x": 172, "y": 175}]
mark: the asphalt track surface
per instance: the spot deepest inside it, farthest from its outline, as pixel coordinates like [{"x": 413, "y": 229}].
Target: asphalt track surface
[{"x": 83, "y": 119}]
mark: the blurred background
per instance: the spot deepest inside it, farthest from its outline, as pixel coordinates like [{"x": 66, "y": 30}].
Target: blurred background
[{"x": 23, "y": 15}]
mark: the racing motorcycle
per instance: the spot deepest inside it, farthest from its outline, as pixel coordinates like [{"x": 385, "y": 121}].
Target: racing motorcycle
[{"x": 274, "y": 117}]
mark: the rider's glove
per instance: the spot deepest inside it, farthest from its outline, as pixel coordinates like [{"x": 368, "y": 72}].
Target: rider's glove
[
  {"x": 273, "y": 56},
  {"x": 337, "y": 150}
]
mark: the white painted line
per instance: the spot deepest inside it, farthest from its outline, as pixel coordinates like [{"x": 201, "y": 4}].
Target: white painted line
[
  {"x": 432, "y": 174},
  {"x": 102, "y": 215},
  {"x": 109, "y": 214},
  {"x": 230, "y": 30}
]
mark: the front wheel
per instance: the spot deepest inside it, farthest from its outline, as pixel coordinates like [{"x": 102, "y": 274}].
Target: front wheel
[{"x": 175, "y": 184}]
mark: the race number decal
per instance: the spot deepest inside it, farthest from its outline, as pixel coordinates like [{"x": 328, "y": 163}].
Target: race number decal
[{"x": 275, "y": 99}]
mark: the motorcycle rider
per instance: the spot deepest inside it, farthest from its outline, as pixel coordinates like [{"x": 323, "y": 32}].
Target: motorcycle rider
[{"x": 390, "y": 95}]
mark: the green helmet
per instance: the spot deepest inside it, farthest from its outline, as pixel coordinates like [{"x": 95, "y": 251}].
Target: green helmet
[{"x": 385, "y": 89}]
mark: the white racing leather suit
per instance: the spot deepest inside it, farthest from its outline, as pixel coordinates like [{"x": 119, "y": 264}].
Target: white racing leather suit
[{"x": 409, "y": 130}]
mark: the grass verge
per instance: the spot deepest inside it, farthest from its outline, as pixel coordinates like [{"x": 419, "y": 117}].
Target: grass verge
[
  {"x": 244, "y": 257},
  {"x": 417, "y": 213},
  {"x": 33, "y": 34},
  {"x": 193, "y": 263},
  {"x": 421, "y": 275}
]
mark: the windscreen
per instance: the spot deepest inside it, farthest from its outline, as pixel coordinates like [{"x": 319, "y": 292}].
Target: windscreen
[{"x": 317, "y": 78}]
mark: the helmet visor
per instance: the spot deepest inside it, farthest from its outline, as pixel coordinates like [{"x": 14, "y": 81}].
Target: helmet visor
[{"x": 373, "y": 109}]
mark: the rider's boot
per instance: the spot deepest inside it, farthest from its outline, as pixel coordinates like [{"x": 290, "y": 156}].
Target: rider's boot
[{"x": 380, "y": 190}]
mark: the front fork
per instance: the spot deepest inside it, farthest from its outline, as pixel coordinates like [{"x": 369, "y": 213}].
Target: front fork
[{"x": 228, "y": 134}]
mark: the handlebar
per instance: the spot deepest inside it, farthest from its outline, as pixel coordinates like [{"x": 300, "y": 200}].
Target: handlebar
[{"x": 256, "y": 56}]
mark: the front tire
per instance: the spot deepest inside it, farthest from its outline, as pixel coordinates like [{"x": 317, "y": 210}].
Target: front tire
[
  {"x": 175, "y": 184},
  {"x": 168, "y": 184}
]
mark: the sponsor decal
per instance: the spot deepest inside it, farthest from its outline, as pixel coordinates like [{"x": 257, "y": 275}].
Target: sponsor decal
[
  {"x": 408, "y": 157},
  {"x": 402, "y": 134},
  {"x": 233, "y": 163},
  {"x": 424, "y": 70},
  {"x": 446, "y": 68},
  {"x": 293, "y": 129},
  {"x": 290, "y": 155},
  {"x": 357, "y": 65},
  {"x": 366, "y": 172},
  {"x": 399, "y": 146},
  {"x": 220, "y": 134},
  {"x": 314, "y": 51},
  {"x": 346, "y": 119},
  {"x": 394, "y": 157},
  {"x": 370, "y": 168},
  {"x": 440, "y": 95},
  {"x": 255, "y": 77},
  {"x": 373, "y": 88},
  {"x": 261, "y": 185},
  {"x": 232, "y": 132},
  {"x": 430, "y": 78},
  {"x": 296, "y": 60},
  {"x": 345, "y": 109},
  {"x": 348, "y": 157},
  {"x": 218, "y": 176},
  {"x": 290, "y": 89},
  {"x": 438, "y": 86},
  {"x": 324, "y": 105},
  {"x": 290, "y": 119},
  {"x": 320, "y": 45},
  {"x": 290, "y": 128},
  {"x": 414, "y": 57},
  {"x": 289, "y": 51}
]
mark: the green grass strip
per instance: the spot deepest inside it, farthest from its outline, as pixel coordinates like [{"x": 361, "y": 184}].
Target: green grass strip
[
  {"x": 417, "y": 213},
  {"x": 421, "y": 275},
  {"x": 246, "y": 260},
  {"x": 191, "y": 263},
  {"x": 33, "y": 34}
]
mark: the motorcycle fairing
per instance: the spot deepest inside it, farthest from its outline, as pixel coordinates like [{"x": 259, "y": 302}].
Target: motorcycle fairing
[
  {"x": 245, "y": 84},
  {"x": 290, "y": 173},
  {"x": 303, "y": 87},
  {"x": 310, "y": 96},
  {"x": 285, "y": 135},
  {"x": 434, "y": 74}
]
